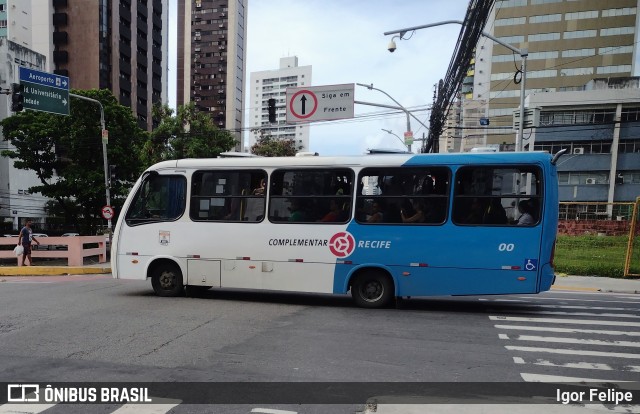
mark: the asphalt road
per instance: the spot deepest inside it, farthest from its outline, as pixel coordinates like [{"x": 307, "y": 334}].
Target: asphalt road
[{"x": 92, "y": 328}]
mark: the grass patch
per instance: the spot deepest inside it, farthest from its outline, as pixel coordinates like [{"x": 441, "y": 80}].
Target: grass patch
[{"x": 594, "y": 255}]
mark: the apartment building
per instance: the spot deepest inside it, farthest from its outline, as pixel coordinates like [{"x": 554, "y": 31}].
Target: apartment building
[
  {"x": 120, "y": 45},
  {"x": 211, "y": 60},
  {"x": 273, "y": 84},
  {"x": 568, "y": 42}
]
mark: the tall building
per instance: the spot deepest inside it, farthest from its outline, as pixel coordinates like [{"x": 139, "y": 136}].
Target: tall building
[
  {"x": 569, "y": 43},
  {"x": 16, "y": 202},
  {"x": 268, "y": 84},
  {"x": 120, "y": 45},
  {"x": 211, "y": 60},
  {"x": 15, "y": 22},
  {"x": 599, "y": 126}
]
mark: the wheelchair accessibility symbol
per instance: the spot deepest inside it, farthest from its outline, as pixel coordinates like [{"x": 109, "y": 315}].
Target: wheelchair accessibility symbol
[{"x": 530, "y": 264}]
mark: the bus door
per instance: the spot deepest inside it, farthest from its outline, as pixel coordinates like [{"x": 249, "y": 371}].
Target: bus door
[{"x": 497, "y": 228}]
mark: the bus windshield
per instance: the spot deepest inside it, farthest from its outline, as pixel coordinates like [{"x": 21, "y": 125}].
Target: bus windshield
[{"x": 159, "y": 198}]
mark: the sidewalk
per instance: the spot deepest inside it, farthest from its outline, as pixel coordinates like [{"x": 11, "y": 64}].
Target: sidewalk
[
  {"x": 596, "y": 284},
  {"x": 55, "y": 268},
  {"x": 563, "y": 283}
]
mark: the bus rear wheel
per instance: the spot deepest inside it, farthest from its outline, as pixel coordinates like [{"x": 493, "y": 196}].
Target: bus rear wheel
[
  {"x": 166, "y": 279},
  {"x": 372, "y": 289}
]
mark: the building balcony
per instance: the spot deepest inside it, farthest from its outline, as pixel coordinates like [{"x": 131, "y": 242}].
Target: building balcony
[
  {"x": 60, "y": 19},
  {"x": 60, "y": 56},
  {"x": 125, "y": 12},
  {"x": 60, "y": 38}
]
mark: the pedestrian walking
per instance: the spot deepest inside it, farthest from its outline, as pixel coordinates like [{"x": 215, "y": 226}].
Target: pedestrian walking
[{"x": 25, "y": 239}]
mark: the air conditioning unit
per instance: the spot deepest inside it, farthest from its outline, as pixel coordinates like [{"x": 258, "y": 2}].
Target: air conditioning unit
[
  {"x": 591, "y": 180},
  {"x": 578, "y": 150}
]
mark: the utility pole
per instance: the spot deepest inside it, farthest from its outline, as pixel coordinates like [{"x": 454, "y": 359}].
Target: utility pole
[{"x": 104, "y": 138}]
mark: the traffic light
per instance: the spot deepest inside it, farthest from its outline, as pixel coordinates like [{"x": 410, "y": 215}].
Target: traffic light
[
  {"x": 17, "y": 98},
  {"x": 272, "y": 110},
  {"x": 113, "y": 169}
]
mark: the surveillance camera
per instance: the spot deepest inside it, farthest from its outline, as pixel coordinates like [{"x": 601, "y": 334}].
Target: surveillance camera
[{"x": 392, "y": 46}]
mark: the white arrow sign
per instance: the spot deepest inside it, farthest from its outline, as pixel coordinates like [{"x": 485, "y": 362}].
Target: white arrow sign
[{"x": 320, "y": 103}]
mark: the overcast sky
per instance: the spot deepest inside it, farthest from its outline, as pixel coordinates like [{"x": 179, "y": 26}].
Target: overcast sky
[{"x": 344, "y": 43}]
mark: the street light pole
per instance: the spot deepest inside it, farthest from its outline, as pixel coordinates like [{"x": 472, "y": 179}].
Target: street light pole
[
  {"x": 370, "y": 87},
  {"x": 104, "y": 154},
  {"x": 391, "y": 132},
  {"x": 522, "y": 52},
  {"x": 406, "y": 111}
]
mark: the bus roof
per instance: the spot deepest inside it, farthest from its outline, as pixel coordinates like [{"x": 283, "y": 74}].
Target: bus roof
[{"x": 359, "y": 160}]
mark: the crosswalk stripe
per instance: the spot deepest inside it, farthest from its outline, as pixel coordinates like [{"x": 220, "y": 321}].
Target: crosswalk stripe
[
  {"x": 556, "y": 299},
  {"x": 573, "y": 352},
  {"x": 566, "y": 330},
  {"x": 533, "y": 305},
  {"x": 557, "y": 378},
  {"x": 563, "y": 340},
  {"x": 24, "y": 408},
  {"x": 578, "y": 365},
  {"x": 600, "y": 315},
  {"x": 563, "y": 320},
  {"x": 160, "y": 406}
]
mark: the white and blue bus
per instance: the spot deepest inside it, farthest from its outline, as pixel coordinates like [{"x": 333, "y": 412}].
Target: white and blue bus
[{"x": 378, "y": 226}]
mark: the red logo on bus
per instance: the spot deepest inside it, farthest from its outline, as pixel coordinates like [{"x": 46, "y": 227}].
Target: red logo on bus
[{"x": 342, "y": 244}]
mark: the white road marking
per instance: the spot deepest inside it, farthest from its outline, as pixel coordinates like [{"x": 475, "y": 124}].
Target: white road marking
[
  {"x": 572, "y": 352},
  {"x": 557, "y": 378},
  {"x": 24, "y": 408},
  {"x": 562, "y": 320},
  {"x": 581, "y": 365},
  {"x": 566, "y": 330},
  {"x": 599, "y": 315},
  {"x": 518, "y": 360},
  {"x": 532, "y": 305},
  {"x": 563, "y": 340},
  {"x": 585, "y": 300},
  {"x": 160, "y": 406},
  {"x": 272, "y": 411}
]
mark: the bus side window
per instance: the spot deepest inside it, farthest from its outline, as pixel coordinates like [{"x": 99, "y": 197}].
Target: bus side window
[{"x": 414, "y": 195}]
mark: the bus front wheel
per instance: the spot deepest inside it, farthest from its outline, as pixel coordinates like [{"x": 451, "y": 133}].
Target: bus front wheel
[
  {"x": 166, "y": 279},
  {"x": 372, "y": 289}
]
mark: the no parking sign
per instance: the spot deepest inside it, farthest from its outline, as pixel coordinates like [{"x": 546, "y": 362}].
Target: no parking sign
[{"x": 107, "y": 212}]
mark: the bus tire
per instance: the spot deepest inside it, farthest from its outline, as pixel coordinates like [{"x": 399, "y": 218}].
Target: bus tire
[
  {"x": 372, "y": 289},
  {"x": 166, "y": 279}
]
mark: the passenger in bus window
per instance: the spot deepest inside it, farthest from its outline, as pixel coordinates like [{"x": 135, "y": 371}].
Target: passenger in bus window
[
  {"x": 476, "y": 212},
  {"x": 261, "y": 189},
  {"x": 526, "y": 219},
  {"x": 296, "y": 212},
  {"x": 417, "y": 217},
  {"x": 335, "y": 212},
  {"x": 376, "y": 213},
  {"x": 495, "y": 213}
]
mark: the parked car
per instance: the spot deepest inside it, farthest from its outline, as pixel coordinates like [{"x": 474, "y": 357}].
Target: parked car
[
  {"x": 64, "y": 246},
  {"x": 42, "y": 245}
]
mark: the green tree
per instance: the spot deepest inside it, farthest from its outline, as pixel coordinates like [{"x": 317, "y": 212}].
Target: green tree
[
  {"x": 187, "y": 134},
  {"x": 65, "y": 152},
  {"x": 268, "y": 146}
]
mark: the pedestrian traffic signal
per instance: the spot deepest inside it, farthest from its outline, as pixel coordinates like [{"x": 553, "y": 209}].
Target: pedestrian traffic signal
[
  {"x": 17, "y": 98},
  {"x": 272, "y": 110},
  {"x": 113, "y": 169}
]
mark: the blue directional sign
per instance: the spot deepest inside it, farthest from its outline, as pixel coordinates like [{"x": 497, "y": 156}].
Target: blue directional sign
[{"x": 44, "y": 91}]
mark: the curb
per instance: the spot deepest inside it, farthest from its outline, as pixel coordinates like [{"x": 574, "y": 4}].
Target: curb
[
  {"x": 576, "y": 288},
  {"x": 51, "y": 270}
]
